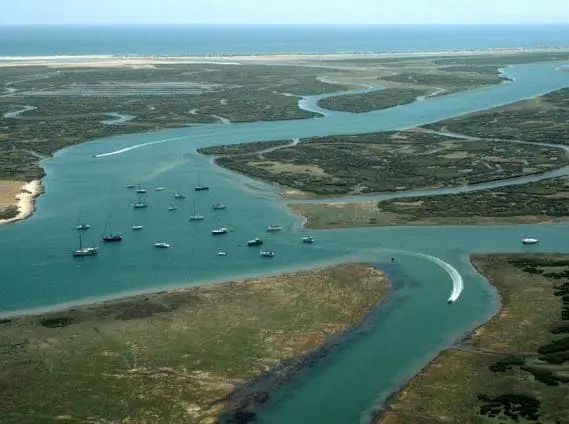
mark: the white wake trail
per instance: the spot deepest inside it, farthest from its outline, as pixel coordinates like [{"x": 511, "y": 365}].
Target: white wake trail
[
  {"x": 457, "y": 281},
  {"x": 138, "y": 146}
]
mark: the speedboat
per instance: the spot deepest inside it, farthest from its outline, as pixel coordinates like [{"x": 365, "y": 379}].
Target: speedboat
[
  {"x": 307, "y": 239},
  {"x": 255, "y": 242},
  {"x": 266, "y": 253},
  {"x": 161, "y": 245},
  {"x": 274, "y": 228},
  {"x": 136, "y": 227},
  {"x": 218, "y": 206},
  {"x": 530, "y": 240},
  {"x": 86, "y": 251},
  {"x": 219, "y": 231}
]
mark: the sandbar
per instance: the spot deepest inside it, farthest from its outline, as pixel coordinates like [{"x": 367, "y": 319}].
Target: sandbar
[{"x": 23, "y": 198}]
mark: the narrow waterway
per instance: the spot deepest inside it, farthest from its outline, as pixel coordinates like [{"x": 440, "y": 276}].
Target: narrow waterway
[{"x": 90, "y": 179}]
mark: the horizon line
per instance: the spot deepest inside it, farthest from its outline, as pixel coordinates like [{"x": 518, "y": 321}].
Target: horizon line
[{"x": 509, "y": 23}]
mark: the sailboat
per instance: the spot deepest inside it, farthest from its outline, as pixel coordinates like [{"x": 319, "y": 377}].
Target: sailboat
[
  {"x": 110, "y": 237},
  {"x": 200, "y": 187},
  {"x": 139, "y": 204},
  {"x": 158, "y": 187},
  {"x": 179, "y": 195},
  {"x": 82, "y": 225},
  {"x": 84, "y": 251},
  {"x": 195, "y": 216},
  {"x": 140, "y": 189}
]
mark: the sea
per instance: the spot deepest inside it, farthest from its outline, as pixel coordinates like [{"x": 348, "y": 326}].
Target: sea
[{"x": 40, "y": 40}]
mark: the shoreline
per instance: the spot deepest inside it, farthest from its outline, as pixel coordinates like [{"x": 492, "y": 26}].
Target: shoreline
[
  {"x": 241, "y": 390},
  {"x": 145, "y": 60},
  {"x": 26, "y": 201},
  {"x": 381, "y": 415}
]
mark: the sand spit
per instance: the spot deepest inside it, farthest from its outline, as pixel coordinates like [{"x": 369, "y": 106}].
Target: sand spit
[
  {"x": 26, "y": 201},
  {"x": 148, "y": 61}
]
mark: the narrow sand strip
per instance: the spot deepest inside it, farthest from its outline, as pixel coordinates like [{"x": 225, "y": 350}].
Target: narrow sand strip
[{"x": 26, "y": 201}]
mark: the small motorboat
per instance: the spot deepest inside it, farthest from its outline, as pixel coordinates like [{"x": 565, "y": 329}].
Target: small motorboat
[
  {"x": 219, "y": 231},
  {"x": 221, "y": 253},
  {"x": 196, "y": 217},
  {"x": 130, "y": 186},
  {"x": 530, "y": 240},
  {"x": 161, "y": 245},
  {"x": 307, "y": 239},
  {"x": 83, "y": 226},
  {"x": 141, "y": 190},
  {"x": 159, "y": 189},
  {"x": 271, "y": 228},
  {"x": 112, "y": 238},
  {"x": 137, "y": 227},
  {"x": 172, "y": 208},
  {"x": 255, "y": 242},
  {"x": 266, "y": 253},
  {"x": 219, "y": 206},
  {"x": 179, "y": 196}
]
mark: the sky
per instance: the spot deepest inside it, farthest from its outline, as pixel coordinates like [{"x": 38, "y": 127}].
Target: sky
[{"x": 283, "y": 11}]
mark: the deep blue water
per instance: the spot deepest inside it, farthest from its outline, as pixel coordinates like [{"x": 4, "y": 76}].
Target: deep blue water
[{"x": 245, "y": 39}]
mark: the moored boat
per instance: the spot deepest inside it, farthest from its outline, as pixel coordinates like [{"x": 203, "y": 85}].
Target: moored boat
[
  {"x": 83, "y": 250},
  {"x": 273, "y": 228},
  {"x": 266, "y": 253},
  {"x": 161, "y": 245},
  {"x": 255, "y": 242},
  {"x": 307, "y": 239},
  {"x": 219, "y": 206},
  {"x": 221, "y": 253},
  {"x": 219, "y": 231},
  {"x": 530, "y": 240},
  {"x": 172, "y": 208},
  {"x": 137, "y": 227},
  {"x": 109, "y": 237}
]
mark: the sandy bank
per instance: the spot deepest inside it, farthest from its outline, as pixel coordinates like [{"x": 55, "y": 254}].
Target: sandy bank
[
  {"x": 25, "y": 198},
  {"x": 133, "y": 60}
]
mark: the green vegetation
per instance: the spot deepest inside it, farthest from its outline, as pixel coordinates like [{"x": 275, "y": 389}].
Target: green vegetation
[
  {"x": 447, "y": 80},
  {"x": 243, "y": 148},
  {"x": 504, "y": 59},
  {"x": 172, "y": 357},
  {"x": 502, "y": 373},
  {"x": 542, "y": 201},
  {"x": 373, "y": 100},
  {"x": 388, "y": 161},
  {"x": 9, "y": 212},
  {"x": 72, "y": 102},
  {"x": 544, "y": 119}
]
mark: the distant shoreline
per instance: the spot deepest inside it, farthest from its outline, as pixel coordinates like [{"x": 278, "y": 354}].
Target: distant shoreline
[{"x": 133, "y": 59}]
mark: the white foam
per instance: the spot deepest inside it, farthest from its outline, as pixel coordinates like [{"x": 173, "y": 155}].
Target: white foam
[{"x": 138, "y": 146}]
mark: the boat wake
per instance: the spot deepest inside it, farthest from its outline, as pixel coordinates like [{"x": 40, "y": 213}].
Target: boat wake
[
  {"x": 138, "y": 146},
  {"x": 457, "y": 281}
]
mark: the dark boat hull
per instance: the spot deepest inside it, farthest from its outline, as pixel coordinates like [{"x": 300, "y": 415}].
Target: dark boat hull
[{"x": 112, "y": 238}]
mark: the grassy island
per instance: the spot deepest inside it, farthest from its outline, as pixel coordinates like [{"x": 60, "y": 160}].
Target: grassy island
[
  {"x": 544, "y": 119},
  {"x": 537, "y": 202},
  {"x": 386, "y": 162},
  {"x": 174, "y": 357},
  {"x": 512, "y": 369}
]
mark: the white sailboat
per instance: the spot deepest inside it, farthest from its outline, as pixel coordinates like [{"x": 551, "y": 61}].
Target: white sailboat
[{"x": 195, "y": 215}]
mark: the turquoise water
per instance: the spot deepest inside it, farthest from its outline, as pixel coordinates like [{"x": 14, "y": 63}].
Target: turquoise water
[
  {"x": 249, "y": 39},
  {"x": 37, "y": 268}
]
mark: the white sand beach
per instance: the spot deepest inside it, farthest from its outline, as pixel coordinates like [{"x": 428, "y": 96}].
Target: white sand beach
[
  {"x": 142, "y": 61},
  {"x": 24, "y": 199}
]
